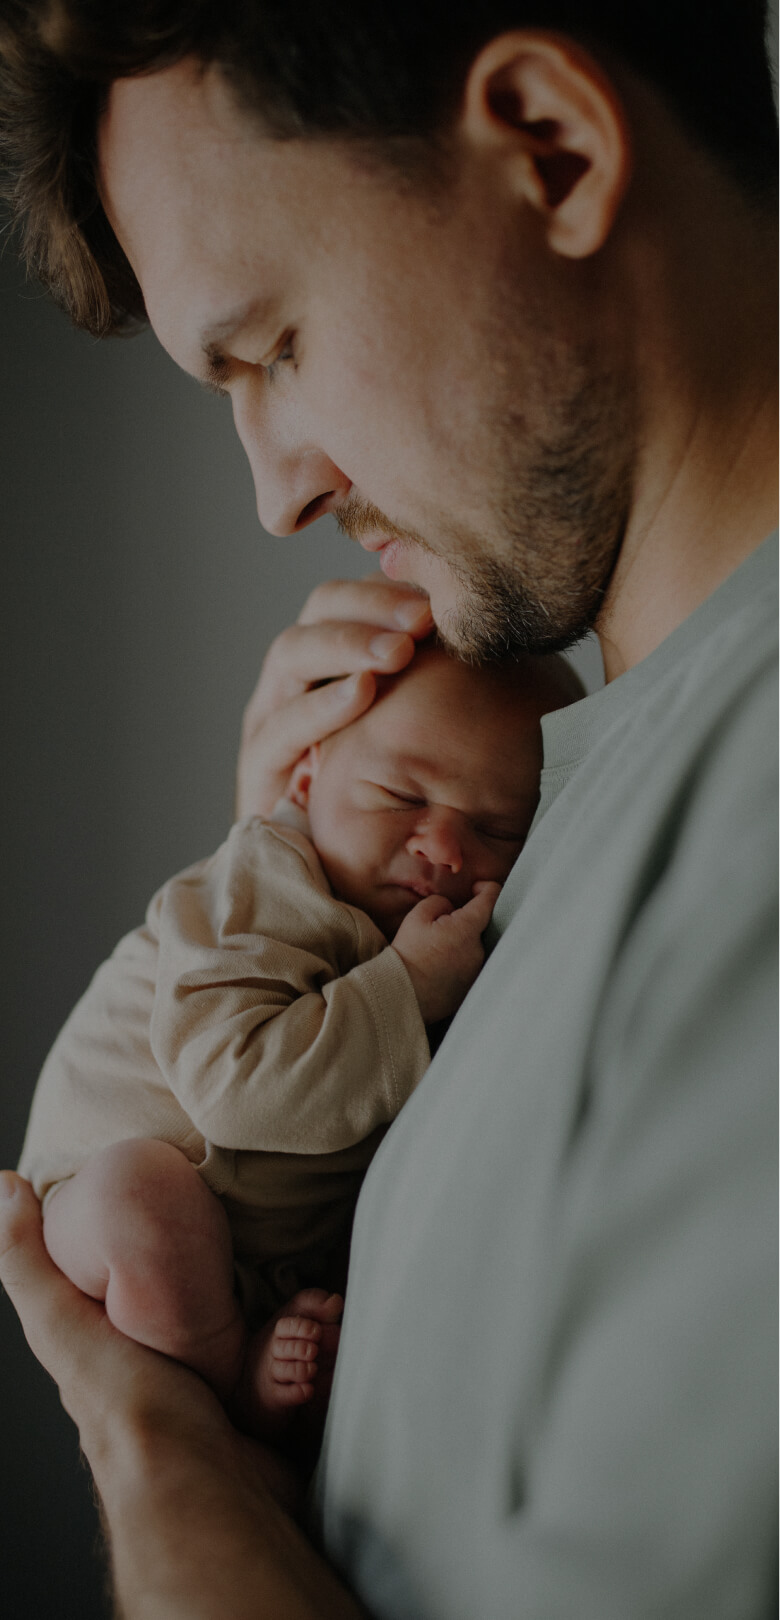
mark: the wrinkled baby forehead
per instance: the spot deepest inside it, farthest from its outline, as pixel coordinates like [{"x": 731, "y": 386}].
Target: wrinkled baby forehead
[{"x": 440, "y": 721}]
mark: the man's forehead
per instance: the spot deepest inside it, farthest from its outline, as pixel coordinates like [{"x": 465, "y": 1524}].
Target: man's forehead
[
  {"x": 197, "y": 196},
  {"x": 178, "y": 109}
]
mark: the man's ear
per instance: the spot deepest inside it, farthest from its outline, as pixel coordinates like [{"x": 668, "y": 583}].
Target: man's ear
[
  {"x": 299, "y": 785},
  {"x": 550, "y": 114}
]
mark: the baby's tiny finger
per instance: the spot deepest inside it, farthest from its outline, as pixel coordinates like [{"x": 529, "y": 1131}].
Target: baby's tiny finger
[
  {"x": 483, "y": 899},
  {"x": 433, "y": 907}
]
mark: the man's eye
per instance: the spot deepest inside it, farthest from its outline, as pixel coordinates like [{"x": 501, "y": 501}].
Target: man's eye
[{"x": 287, "y": 352}]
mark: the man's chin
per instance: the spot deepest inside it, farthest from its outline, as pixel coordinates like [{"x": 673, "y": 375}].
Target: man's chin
[{"x": 411, "y": 565}]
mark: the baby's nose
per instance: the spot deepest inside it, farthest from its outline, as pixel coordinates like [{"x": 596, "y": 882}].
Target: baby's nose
[{"x": 438, "y": 840}]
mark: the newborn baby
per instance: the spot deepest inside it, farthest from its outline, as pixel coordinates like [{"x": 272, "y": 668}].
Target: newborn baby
[{"x": 257, "y": 1036}]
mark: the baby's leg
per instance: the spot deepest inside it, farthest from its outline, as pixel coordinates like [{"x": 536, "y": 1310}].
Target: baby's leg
[
  {"x": 138, "y": 1228},
  {"x": 289, "y": 1363}
]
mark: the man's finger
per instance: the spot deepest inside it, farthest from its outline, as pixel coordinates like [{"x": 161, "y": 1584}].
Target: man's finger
[
  {"x": 41, "y": 1295},
  {"x": 288, "y": 732},
  {"x": 375, "y": 600},
  {"x": 305, "y": 654}
]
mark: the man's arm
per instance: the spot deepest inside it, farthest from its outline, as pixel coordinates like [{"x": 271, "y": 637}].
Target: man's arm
[{"x": 198, "y": 1517}]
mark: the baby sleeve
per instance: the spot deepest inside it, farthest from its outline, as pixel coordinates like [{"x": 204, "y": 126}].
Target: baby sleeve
[
  {"x": 100, "y": 1083},
  {"x": 282, "y": 1021}
]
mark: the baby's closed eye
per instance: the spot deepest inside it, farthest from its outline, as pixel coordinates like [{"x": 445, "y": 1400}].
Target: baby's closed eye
[{"x": 394, "y": 796}]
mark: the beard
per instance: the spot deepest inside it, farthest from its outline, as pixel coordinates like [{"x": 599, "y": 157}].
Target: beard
[
  {"x": 559, "y": 481},
  {"x": 561, "y": 518}
]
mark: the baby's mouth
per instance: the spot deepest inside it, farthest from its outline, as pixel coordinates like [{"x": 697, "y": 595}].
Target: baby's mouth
[{"x": 416, "y": 886}]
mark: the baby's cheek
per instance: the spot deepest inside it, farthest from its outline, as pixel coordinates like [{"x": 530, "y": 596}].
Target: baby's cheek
[{"x": 504, "y": 861}]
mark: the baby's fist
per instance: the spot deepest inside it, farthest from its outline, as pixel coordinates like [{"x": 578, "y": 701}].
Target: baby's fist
[{"x": 442, "y": 950}]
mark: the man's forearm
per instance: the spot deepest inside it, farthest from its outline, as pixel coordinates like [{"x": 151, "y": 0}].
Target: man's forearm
[
  {"x": 192, "y": 1541},
  {"x": 196, "y": 1514}
]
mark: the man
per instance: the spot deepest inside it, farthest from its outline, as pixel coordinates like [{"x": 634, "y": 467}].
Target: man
[{"x": 499, "y": 291}]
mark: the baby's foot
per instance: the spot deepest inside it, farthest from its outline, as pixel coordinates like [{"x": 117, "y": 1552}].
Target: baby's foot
[{"x": 290, "y": 1361}]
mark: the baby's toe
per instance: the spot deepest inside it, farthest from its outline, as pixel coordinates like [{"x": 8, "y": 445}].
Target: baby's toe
[
  {"x": 298, "y": 1329},
  {"x": 293, "y": 1372},
  {"x": 316, "y": 1304},
  {"x": 294, "y": 1394},
  {"x": 294, "y": 1358}
]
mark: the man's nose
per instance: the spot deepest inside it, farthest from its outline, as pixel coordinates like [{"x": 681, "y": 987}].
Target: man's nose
[
  {"x": 439, "y": 839},
  {"x": 295, "y": 482}
]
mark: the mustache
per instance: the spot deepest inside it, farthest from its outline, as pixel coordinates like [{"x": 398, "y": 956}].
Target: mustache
[{"x": 356, "y": 517}]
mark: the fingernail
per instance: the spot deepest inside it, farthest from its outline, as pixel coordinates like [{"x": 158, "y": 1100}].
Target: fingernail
[
  {"x": 386, "y": 645},
  {"x": 412, "y": 614},
  {"x": 8, "y": 1184}
]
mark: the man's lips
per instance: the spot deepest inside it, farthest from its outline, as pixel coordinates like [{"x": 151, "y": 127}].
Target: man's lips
[
  {"x": 376, "y": 542},
  {"x": 397, "y": 554},
  {"x": 391, "y": 550},
  {"x": 372, "y": 542}
]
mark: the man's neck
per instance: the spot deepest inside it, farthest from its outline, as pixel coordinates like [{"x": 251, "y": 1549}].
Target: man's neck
[{"x": 706, "y": 488}]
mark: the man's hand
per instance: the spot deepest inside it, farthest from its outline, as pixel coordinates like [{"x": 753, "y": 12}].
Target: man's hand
[
  {"x": 197, "y": 1514},
  {"x": 347, "y": 632},
  {"x": 442, "y": 950}
]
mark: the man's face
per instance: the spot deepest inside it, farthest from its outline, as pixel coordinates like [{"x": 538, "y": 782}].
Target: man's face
[
  {"x": 429, "y": 792},
  {"x": 418, "y": 364}
]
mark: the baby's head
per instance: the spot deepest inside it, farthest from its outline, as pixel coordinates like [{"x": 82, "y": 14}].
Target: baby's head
[{"x": 435, "y": 786}]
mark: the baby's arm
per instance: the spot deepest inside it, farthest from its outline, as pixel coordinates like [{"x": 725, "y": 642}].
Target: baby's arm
[
  {"x": 282, "y": 1021},
  {"x": 442, "y": 950}
]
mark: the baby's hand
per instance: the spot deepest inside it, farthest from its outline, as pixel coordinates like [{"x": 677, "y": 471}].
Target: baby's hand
[{"x": 442, "y": 950}]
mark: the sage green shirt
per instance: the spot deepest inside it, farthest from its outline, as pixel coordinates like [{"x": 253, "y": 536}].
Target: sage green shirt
[{"x": 555, "y": 1396}]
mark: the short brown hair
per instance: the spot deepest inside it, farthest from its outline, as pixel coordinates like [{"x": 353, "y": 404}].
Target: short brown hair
[{"x": 385, "y": 72}]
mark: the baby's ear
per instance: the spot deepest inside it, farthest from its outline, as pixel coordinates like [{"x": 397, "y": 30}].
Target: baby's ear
[{"x": 299, "y": 785}]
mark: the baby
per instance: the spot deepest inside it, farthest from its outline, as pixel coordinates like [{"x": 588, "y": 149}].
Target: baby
[{"x": 257, "y": 1036}]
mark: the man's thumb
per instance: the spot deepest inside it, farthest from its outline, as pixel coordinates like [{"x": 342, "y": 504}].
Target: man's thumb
[{"x": 30, "y": 1278}]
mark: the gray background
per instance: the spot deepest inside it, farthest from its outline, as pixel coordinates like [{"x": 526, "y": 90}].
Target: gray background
[{"x": 138, "y": 597}]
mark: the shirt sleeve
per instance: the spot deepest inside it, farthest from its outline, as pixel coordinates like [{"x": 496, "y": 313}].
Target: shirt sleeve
[{"x": 282, "y": 1021}]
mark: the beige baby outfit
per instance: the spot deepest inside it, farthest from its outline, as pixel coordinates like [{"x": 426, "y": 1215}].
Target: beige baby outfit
[{"x": 260, "y": 1025}]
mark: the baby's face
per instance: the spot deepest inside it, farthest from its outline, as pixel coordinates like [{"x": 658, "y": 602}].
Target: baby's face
[{"x": 430, "y": 791}]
